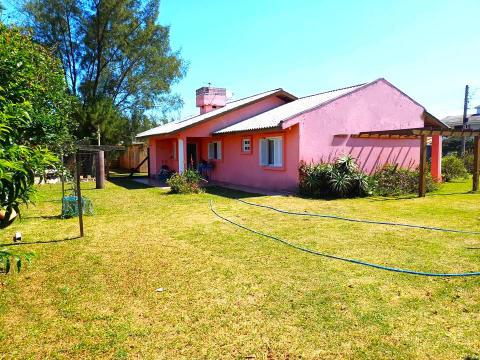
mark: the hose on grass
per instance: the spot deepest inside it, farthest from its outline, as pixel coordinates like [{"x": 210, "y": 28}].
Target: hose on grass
[
  {"x": 335, "y": 217},
  {"x": 335, "y": 257}
]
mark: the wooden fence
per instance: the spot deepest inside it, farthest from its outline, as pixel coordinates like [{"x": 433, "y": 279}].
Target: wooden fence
[{"x": 133, "y": 156}]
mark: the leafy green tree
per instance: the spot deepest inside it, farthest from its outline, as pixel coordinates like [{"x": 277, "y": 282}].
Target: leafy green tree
[
  {"x": 115, "y": 56},
  {"x": 34, "y": 108}
]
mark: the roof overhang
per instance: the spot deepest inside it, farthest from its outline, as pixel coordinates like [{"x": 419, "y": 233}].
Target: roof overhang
[
  {"x": 250, "y": 131},
  {"x": 431, "y": 120}
]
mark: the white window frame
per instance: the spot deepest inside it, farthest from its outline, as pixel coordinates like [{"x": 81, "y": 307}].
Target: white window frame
[
  {"x": 271, "y": 151},
  {"x": 249, "y": 150},
  {"x": 211, "y": 150}
]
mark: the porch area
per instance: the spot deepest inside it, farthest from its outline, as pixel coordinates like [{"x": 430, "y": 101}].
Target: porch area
[{"x": 179, "y": 153}]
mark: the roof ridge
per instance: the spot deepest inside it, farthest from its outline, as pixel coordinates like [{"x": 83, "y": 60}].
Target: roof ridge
[
  {"x": 260, "y": 93},
  {"x": 329, "y": 91}
]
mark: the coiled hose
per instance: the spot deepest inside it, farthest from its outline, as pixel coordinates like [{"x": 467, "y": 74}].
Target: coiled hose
[{"x": 335, "y": 257}]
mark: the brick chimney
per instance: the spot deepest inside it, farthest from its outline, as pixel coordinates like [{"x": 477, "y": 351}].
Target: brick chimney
[{"x": 211, "y": 98}]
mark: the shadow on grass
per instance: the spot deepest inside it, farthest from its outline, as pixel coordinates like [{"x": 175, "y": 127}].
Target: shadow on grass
[
  {"x": 128, "y": 183},
  {"x": 229, "y": 193},
  {"x": 415, "y": 196},
  {"x": 50, "y": 217},
  {"x": 42, "y": 242}
]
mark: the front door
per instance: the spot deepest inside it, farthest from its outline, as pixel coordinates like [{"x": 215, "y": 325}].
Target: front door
[{"x": 191, "y": 155}]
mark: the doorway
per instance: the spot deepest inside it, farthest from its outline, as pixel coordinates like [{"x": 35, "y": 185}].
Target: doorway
[{"x": 192, "y": 157}]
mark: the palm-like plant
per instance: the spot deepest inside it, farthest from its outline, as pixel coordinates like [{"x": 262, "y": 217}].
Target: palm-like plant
[{"x": 340, "y": 182}]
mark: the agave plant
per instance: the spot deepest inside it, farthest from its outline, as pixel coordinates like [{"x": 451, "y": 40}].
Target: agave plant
[
  {"x": 346, "y": 164},
  {"x": 340, "y": 182},
  {"x": 363, "y": 184}
]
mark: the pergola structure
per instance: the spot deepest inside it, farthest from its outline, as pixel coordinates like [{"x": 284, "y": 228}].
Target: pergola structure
[{"x": 436, "y": 133}]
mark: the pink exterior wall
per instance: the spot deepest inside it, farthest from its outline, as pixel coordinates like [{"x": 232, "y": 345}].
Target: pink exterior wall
[
  {"x": 317, "y": 135},
  {"x": 162, "y": 152},
  {"x": 376, "y": 107},
  {"x": 204, "y": 130},
  {"x": 240, "y": 168}
]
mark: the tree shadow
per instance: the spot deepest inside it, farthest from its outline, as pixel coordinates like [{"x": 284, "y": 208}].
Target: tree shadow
[
  {"x": 42, "y": 242},
  {"x": 50, "y": 217},
  {"x": 229, "y": 193},
  {"x": 415, "y": 196},
  {"x": 128, "y": 183}
]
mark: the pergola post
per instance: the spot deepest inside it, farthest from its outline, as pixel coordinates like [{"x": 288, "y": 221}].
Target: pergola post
[
  {"x": 476, "y": 162},
  {"x": 436, "y": 158},
  {"x": 422, "y": 189},
  {"x": 100, "y": 170}
]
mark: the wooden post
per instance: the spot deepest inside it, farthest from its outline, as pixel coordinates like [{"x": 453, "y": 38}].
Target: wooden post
[
  {"x": 79, "y": 194},
  {"x": 100, "y": 170},
  {"x": 423, "y": 164},
  {"x": 476, "y": 162}
]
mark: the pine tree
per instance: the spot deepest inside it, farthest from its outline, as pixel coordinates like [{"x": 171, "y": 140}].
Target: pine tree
[{"x": 115, "y": 56}]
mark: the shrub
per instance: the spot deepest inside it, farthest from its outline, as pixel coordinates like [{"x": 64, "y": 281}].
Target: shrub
[
  {"x": 342, "y": 179},
  {"x": 468, "y": 162},
  {"x": 394, "y": 181},
  {"x": 189, "y": 182},
  {"x": 453, "y": 167}
]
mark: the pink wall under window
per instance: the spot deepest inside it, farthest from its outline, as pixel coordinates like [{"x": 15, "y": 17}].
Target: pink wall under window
[{"x": 239, "y": 168}]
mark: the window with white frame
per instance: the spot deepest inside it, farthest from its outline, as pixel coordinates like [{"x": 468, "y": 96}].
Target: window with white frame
[
  {"x": 271, "y": 151},
  {"x": 215, "y": 150},
  {"x": 246, "y": 145}
]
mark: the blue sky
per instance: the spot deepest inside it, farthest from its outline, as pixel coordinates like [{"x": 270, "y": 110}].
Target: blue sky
[{"x": 429, "y": 49}]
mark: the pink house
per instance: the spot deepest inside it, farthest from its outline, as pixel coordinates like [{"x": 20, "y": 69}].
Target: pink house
[{"x": 259, "y": 141}]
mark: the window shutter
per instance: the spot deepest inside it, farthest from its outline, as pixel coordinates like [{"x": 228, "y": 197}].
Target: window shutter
[
  {"x": 210, "y": 151},
  {"x": 278, "y": 152},
  {"x": 219, "y": 150},
  {"x": 263, "y": 152}
]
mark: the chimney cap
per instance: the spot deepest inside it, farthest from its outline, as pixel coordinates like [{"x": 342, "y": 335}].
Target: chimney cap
[{"x": 211, "y": 90}]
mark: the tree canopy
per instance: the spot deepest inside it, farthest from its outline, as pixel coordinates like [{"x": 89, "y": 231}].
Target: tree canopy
[
  {"x": 34, "y": 115},
  {"x": 115, "y": 57}
]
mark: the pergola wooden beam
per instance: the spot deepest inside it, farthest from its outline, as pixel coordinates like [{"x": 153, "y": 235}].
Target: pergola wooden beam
[{"x": 416, "y": 133}]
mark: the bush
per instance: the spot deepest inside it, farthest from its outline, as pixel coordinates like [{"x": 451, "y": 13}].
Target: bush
[
  {"x": 453, "y": 167},
  {"x": 394, "y": 181},
  {"x": 189, "y": 182},
  {"x": 340, "y": 179},
  {"x": 468, "y": 162}
]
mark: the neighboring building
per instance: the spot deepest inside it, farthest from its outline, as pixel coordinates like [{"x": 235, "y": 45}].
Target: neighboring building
[
  {"x": 260, "y": 140},
  {"x": 456, "y": 121}
]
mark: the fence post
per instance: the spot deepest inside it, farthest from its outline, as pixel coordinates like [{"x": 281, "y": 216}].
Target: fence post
[{"x": 79, "y": 194}]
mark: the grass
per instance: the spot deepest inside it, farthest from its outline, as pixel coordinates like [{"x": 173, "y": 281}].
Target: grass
[{"x": 232, "y": 294}]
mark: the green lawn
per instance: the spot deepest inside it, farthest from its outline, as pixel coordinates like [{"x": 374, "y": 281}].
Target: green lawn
[{"x": 232, "y": 294}]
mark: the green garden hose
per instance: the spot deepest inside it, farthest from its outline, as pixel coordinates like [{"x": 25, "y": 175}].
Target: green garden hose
[{"x": 335, "y": 257}]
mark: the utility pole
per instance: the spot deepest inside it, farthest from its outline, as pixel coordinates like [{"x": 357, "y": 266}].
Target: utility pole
[
  {"x": 465, "y": 119},
  {"x": 98, "y": 135}
]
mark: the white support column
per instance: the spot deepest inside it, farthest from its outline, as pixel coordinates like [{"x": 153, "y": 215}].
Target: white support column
[{"x": 181, "y": 156}]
